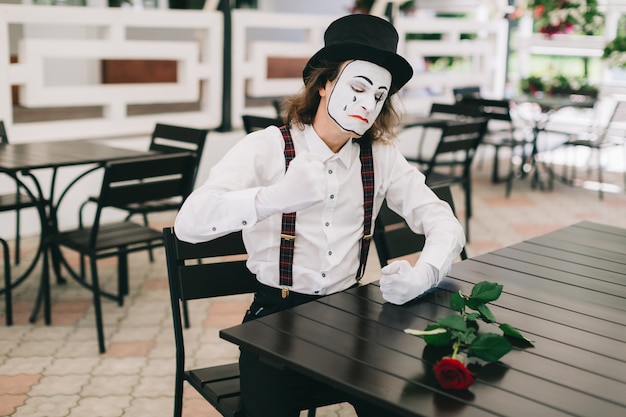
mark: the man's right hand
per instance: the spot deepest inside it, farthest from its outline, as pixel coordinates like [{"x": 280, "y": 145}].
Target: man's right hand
[{"x": 302, "y": 186}]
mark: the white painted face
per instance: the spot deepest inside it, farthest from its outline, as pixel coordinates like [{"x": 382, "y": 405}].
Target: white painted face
[{"x": 358, "y": 96}]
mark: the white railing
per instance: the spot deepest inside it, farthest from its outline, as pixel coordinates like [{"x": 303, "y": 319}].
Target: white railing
[
  {"x": 484, "y": 53},
  {"x": 259, "y": 36},
  {"x": 59, "y": 50},
  {"x": 256, "y": 38}
]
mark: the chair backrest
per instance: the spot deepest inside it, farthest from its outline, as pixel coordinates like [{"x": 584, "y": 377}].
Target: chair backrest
[
  {"x": 174, "y": 139},
  {"x": 456, "y": 111},
  {"x": 392, "y": 236},
  {"x": 490, "y": 108},
  {"x": 462, "y": 92},
  {"x": 616, "y": 127},
  {"x": 214, "y": 268},
  {"x": 141, "y": 180},
  {"x": 4, "y": 138},
  {"x": 252, "y": 123},
  {"x": 457, "y": 146}
]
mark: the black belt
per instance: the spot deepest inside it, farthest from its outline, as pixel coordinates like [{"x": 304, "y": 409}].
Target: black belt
[{"x": 276, "y": 295}]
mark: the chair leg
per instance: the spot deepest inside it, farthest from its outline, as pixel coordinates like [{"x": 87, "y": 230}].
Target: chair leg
[
  {"x": 600, "y": 177},
  {"x": 97, "y": 304},
  {"x": 178, "y": 395},
  {"x": 468, "y": 208},
  {"x": 145, "y": 222},
  {"x": 122, "y": 277},
  {"x": 185, "y": 314},
  {"x": 8, "y": 305},
  {"x": 17, "y": 236},
  {"x": 495, "y": 175}
]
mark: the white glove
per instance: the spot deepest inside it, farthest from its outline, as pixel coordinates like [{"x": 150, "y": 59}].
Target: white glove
[
  {"x": 302, "y": 186},
  {"x": 400, "y": 282}
]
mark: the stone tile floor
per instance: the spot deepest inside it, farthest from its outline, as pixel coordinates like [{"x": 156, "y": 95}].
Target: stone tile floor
[{"x": 56, "y": 371}]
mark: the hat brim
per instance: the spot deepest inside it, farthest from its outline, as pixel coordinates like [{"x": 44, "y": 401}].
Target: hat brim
[{"x": 401, "y": 71}]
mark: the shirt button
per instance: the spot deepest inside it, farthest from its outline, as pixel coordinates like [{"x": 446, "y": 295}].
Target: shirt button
[
  {"x": 330, "y": 171},
  {"x": 244, "y": 222},
  {"x": 326, "y": 224},
  {"x": 214, "y": 229},
  {"x": 330, "y": 252},
  {"x": 323, "y": 275},
  {"x": 317, "y": 292},
  {"x": 332, "y": 196}
]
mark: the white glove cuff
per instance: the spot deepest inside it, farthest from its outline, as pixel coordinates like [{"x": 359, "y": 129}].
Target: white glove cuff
[
  {"x": 429, "y": 272},
  {"x": 264, "y": 208}
]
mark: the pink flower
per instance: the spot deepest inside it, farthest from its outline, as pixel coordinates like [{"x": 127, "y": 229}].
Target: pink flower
[{"x": 451, "y": 373}]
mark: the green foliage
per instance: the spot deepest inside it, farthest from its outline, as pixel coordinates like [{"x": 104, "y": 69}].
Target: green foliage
[
  {"x": 461, "y": 331},
  {"x": 557, "y": 84}
]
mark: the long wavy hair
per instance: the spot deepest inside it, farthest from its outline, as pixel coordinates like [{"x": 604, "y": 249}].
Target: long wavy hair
[{"x": 300, "y": 108}]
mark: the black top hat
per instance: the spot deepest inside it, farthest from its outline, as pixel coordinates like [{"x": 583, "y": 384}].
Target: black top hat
[{"x": 364, "y": 37}]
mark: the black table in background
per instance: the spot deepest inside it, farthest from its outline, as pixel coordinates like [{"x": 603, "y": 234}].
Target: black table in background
[
  {"x": 565, "y": 290},
  {"x": 26, "y": 160}
]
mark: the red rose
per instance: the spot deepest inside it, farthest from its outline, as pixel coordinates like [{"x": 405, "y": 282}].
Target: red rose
[{"x": 452, "y": 374}]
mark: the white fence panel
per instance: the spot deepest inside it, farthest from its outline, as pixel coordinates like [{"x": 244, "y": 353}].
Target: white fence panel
[
  {"x": 485, "y": 53},
  {"x": 59, "y": 51},
  {"x": 257, "y": 38}
]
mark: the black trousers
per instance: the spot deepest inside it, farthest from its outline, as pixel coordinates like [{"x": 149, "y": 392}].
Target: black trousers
[{"x": 268, "y": 391}]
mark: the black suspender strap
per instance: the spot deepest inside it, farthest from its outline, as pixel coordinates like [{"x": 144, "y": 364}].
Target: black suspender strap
[
  {"x": 367, "y": 178},
  {"x": 288, "y": 225}
]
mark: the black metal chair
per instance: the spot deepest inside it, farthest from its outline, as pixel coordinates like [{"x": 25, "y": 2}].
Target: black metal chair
[
  {"x": 597, "y": 139},
  {"x": 171, "y": 139},
  {"x": 125, "y": 182},
  {"x": 165, "y": 139},
  {"x": 392, "y": 236},
  {"x": 15, "y": 201},
  {"x": 502, "y": 132},
  {"x": 451, "y": 161},
  {"x": 252, "y": 123},
  {"x": 200, "y": 271}
]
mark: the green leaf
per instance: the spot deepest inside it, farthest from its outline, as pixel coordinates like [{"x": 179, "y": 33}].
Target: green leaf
[
  {"x": 470, "y": 336},
  {"x": 472, "y": 316},
  {"x": 438, "y": 339},
  {"x": 485, "y": 291},
  {"x": 489, "y": 347},
  {"x": 511, "y": 331},
  {"x": 454, "y": 322},
  {"x": 457, "y": 301},
  {"x": 486, "y": 314}
]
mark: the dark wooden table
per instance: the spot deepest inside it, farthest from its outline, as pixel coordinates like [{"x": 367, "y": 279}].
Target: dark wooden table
[
  {"x": 565, "y": 290},
  {"x": 26, "y": 160}
]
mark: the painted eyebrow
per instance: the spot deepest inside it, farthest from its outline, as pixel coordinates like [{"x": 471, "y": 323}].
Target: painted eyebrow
[{"x": 370, "y": 81}]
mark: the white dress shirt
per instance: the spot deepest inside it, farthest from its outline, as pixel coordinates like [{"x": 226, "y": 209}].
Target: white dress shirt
[{"x": 327, "y": 245}]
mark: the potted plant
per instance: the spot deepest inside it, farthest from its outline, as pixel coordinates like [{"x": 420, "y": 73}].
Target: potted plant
[
  {"x": 532, "y": 85},
  {"x": 566, "y": 16}
]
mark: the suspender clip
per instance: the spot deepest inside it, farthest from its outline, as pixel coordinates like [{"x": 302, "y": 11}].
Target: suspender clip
[
  {"x": 367, "y": 237},
  {"x": 287, "y": 237},
  {"x": 285, "y": 292}
]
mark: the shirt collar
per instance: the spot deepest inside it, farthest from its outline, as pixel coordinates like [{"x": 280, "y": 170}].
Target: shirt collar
[{"x": 317, "y": 146}]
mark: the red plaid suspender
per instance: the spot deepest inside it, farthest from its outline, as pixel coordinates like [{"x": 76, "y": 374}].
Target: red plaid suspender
[
  {"x": 288, "y": 226},
  {"x": 367, "y": 178}
]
